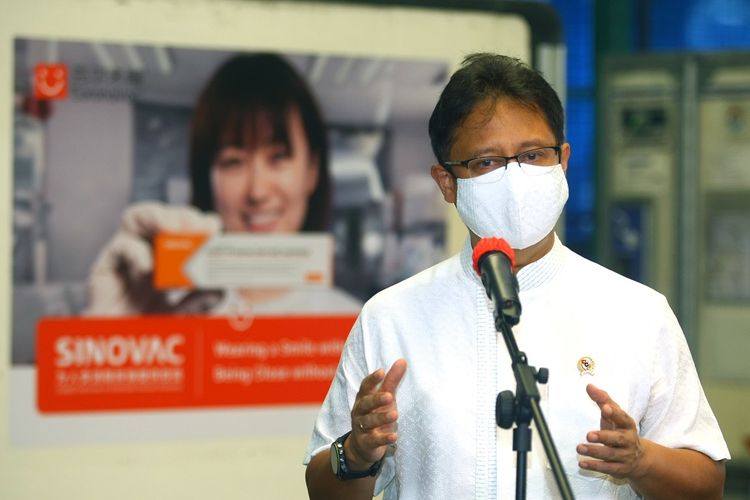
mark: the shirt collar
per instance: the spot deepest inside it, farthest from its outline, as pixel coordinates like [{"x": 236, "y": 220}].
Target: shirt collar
[
  {"x": 530, "y": 276},
  {"x": 543, "y": 270}
]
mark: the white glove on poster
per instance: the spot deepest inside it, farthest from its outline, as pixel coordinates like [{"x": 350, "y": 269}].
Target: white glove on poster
[{"x": 120, "y": 282}]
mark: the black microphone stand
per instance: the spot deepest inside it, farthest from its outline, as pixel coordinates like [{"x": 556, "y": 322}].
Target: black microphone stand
[
  {"x": 496, "y": 271},
  {"x": 521, "y": 408}
]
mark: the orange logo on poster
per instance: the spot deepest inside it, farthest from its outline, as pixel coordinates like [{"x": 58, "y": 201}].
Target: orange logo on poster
[
  {"x": 50, "y": 81},
  {"x": 586, "y": 365}
]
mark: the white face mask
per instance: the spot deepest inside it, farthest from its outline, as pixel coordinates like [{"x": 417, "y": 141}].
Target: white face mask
[{"x": 520, "y": 206}]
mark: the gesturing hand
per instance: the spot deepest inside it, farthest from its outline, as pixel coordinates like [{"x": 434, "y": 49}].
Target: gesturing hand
[
  {"x": 374, "y": 416},
  {"x": 616, "y": 447}
]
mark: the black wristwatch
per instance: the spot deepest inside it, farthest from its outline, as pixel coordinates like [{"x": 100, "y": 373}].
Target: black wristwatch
[{"x": 338, "y": 462}]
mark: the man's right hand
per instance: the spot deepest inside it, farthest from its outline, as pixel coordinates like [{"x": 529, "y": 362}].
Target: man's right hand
[
  {"x": 374, "y": 417},
  {"x": 120, "y": 282}
]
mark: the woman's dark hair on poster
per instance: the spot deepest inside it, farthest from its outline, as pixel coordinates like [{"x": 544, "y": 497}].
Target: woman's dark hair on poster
[{"x": 244, "y": 96}]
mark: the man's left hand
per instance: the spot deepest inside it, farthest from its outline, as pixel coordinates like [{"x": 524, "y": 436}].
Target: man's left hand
[{"x": 616, "y": 446}]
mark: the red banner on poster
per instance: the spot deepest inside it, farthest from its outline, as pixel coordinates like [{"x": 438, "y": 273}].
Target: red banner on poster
[{"x": 169, "y": 362}]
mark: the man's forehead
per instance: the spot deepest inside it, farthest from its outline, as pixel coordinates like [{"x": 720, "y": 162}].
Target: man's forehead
[
  {"x": 515, "y": 121},
  {"x": 503, "y": 109}
]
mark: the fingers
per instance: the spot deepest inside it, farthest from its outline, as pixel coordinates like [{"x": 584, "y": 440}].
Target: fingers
[
  {"x": 375, "y": 405},
  {"x": 126, "y": 260},
  {"x": 370, "y": 383},
  {"x": 378, "y": 422},
  {"x": 612, "y": 416},
  {"x": 616, "y": 469},
  {"x": 374, "y": 414},
  {"x": 198, "y": 302},
  {"x": 394, "y": 376},
  {"x": 128, "y": 255},
  {"x": 377, "y": 392},
  {"x": 614, "y": 449},
  {"x": 605, "y": 453},
  {"x": 367, "y": 403},
  {"x": 120, "y": 279},
  {"x": 149, "y": 218},
  {"x": 620, "y": 461},
  {"x": 618, "y": 417},
  {"x": 368, "y": 446},
  {"x": 367, "y": 398},
  {"x": 612, "y": 439},
  {"x": 597, "y": 395}
]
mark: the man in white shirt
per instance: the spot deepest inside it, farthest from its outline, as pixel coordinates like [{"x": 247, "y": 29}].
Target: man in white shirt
[{"x": 624, "y": 403}]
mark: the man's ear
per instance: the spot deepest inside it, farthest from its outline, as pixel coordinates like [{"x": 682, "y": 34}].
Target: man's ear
[
  {"x": 445, "y": 181},
  {"x": 565, "y": 156}
]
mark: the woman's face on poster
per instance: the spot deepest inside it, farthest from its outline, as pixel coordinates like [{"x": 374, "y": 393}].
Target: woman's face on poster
[{"x": 265, "y": 188}]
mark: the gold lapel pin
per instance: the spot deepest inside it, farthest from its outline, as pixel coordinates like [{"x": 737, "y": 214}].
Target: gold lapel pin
[{"x": 586, "y": 365}]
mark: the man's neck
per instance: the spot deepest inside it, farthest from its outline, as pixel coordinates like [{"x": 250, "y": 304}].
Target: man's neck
[{"x": 528, "y": 255}]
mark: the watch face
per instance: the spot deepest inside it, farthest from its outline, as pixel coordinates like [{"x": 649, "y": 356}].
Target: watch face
[{"x": 335, "y": 459}]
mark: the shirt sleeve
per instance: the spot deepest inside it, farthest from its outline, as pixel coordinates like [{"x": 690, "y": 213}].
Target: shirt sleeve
[
  {"x": 678, "y": 414},
  {"x": 334, "y": 417}
]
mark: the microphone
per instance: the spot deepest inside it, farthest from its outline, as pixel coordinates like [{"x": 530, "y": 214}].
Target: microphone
[{"x": 493, "y": 260}]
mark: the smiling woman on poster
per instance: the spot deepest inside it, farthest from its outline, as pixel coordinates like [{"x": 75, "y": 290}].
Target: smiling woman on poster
[{"x": 258, "y": 164}]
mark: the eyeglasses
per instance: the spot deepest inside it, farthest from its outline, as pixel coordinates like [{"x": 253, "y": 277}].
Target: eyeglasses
[{"x": 532, "y": 162}]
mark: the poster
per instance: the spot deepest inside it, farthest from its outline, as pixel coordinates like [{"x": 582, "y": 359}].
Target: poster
[{"x": 106, "y": 141}]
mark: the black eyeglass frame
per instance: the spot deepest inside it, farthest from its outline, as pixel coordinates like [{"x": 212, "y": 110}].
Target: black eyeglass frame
[{"x": 448, "y": 165}]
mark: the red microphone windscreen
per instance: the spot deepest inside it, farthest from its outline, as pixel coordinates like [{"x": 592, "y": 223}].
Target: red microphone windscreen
[{"x": 489, "y": 245}]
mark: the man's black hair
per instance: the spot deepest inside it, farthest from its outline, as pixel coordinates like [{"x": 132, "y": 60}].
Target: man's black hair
[{"x": 484, "y": 77}]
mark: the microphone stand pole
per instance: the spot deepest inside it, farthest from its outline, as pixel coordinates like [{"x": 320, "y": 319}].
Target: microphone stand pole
[{"x": 521, "y": 409}]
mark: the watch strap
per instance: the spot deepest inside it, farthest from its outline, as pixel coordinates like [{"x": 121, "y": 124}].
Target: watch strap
[{"x": 342, "y": 469}]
